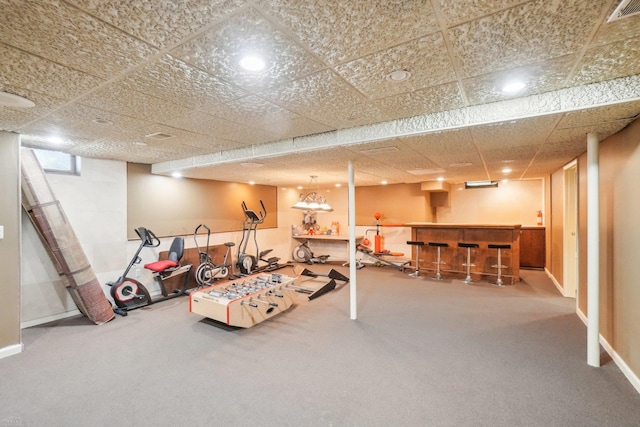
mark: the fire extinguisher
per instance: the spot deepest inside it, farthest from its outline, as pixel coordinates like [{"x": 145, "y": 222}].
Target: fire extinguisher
[{"x": 539, "y": 218}]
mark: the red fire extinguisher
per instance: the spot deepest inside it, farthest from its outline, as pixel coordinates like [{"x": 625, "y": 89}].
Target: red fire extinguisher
[{"x": 539, "y": 218}]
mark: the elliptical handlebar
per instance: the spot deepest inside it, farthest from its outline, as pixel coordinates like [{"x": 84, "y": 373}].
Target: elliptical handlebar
[{"x": 148, "y": 238}]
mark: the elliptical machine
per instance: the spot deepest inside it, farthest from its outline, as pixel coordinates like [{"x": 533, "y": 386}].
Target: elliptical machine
[
  {"x": 247, "y": 263},
  {"x": 207, "y": 270}
]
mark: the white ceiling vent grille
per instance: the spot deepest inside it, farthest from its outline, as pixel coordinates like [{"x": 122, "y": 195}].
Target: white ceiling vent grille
[
  {"x": 159, "y": 136},
  {"x": 625, "y": 8}
]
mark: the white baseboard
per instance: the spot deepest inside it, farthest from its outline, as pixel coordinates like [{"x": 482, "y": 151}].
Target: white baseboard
[
  {"x": 11, "y": 350},
  {"x": 626, "y": 370},
  {"x": 555, "y": 282},
  {"x": 620, "y": 363},
  {"x": 47, "y": 319}
]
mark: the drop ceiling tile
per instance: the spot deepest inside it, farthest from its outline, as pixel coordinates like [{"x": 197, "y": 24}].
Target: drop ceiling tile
[
  {"x": 607, "y": 113},
  {"x": 539, "y": 78},
  {"x": 203, "y": 123},
  {"x": 444, "y": 97},
  {"x": 322, "y": 96},
  {"x": 513, "y": 133},
  {"x": 425, "y": 58},
  {"x": 299, "y": 126},
  {"x": 619, "y": 59},
  {"x": 459, "y": 11},
  {"x": 618, "y": 30},
  {"x": 15, "y": 119},
  {"x": 249, "y": 136},
  {"x": 62, "y": 33},
  {"x": 342, "y": 31},
  {"x": 219, "y": 50},
  {"x": 252, "y": 109},
  {"x": 22, "y": 70},
  {"x": 117, "y": 98},
  {"x": 83, "y": 121},
  {"x": 533, "y": 32},
  {"x": 578, "y": 135},
  {"x": 158, "y": 22},
  {"x": 176, "y": 81}
]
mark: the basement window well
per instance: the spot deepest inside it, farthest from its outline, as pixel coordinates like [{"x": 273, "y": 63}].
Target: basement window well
[{"x": 58, "y": 162}]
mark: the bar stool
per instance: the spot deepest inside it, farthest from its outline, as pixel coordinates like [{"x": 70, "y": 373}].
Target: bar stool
[
  {"x": 438, "y": 245},
  {"x": 468, "y": 264},
  {"x": 499, "y": 265},
  {"x": 418, "y": 246}
]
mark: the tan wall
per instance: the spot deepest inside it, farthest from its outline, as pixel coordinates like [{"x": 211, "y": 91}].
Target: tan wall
[
  {"x": 619, "y": 237},
  {"x": 175, "y": 207},
  {"x": 10, "y": 244},
  {"x": 555, "y": 227},
  {"x": 514, "y": 202},
  {"x": 398, "y": 203}
]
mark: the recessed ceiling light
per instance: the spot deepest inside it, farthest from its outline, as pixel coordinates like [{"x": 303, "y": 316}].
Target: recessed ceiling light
[
  {"x": 398, "y": 75},
  {"x": 383, "y": 182},
  {"x": 506, "y": 170},
  {"x": 338, "y": 185},
  {"x": 252, "y": 63},
  {"x": 55, "y": 139},
  {"x": 440, "y": 179},
  {"x": 176, "y": 174},
  {"x": 100, "y": 121},
  {"x": 12, "y": 100},
  {"x": 252, "y": 182},
  {"x": 513, "y": 87}
]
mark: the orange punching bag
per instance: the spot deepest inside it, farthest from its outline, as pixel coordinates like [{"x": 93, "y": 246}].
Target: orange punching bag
[{"x": 378, "y": 241}]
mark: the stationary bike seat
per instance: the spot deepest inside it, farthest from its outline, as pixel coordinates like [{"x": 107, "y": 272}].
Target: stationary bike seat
[{"x": 160, "y": 266}]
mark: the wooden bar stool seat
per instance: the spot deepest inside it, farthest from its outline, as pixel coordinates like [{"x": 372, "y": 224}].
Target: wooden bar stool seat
[
  {"x": 468, "y": 263},
  {"x": 418, "y": 245},
  {"x": 499, "y": 265},
  {"x": 438, "y": 261}
]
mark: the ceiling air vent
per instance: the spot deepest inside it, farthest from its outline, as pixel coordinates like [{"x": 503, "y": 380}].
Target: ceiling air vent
[
  {"x": 625, "y": 8},
  {"x": 480, "y": 184},
  {"x": 159, "y": 136}
]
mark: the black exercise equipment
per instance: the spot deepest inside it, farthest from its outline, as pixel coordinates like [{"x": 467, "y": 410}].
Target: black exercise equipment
[
  {"x": 129, "y": 294},
  {"x": 247, "y": 263},
  {"x": 207, "y": 270},
  {"x": 303, "y": 253},
  {"x": 333, "y": 274}
]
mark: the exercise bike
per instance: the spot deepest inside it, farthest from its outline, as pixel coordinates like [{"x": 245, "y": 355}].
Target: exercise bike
[
  {"x": 207, "y": 270},
  {"x": 247, "y": 263},
  {"x": 129, "y": 294}
]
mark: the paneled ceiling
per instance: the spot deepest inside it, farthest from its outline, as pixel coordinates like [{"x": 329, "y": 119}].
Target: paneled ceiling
[{"x": 160, "y": 82}]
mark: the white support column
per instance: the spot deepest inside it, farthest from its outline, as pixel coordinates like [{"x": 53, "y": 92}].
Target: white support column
[
  {"x": 593, "y": 251},
  {"x": 352, "y": 242}
]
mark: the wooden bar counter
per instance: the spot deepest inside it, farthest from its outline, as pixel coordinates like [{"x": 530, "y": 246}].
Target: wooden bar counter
[{"x": 483, "y": 257}]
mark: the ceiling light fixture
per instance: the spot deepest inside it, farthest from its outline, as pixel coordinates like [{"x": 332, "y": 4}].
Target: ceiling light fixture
[
  {"x": 252, "y": 63},
  {"x": 314, "y": 201},
  {"x": 100, "y": 121},
  {"x": 12, "y": 100},
  {"x": 176, "y": 174},
  {"x": 398, "y": 75},
  {"x": 513, "y": 87}
]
